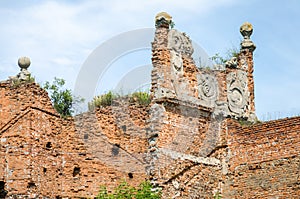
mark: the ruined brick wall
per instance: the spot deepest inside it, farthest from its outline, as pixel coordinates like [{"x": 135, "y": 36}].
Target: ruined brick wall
[
  {"x": 264, "y": 159},
  {"x": 43, "y": 155},
  {"x": 184, "y": 141},
  {"x": 191, "y": 135}
]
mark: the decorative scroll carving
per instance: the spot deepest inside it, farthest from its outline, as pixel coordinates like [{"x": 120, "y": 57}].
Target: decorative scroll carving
[
  {"x": 232, "y": 63},
  {"x": 237, "y": 91},
  {"x": 243, "y": 62},
  {"x": 207, "y": 87},
  {"x": 180, "y": 42}
]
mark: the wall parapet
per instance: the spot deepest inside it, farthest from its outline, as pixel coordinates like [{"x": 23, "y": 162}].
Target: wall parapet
[{"x": 264, "y": 141}]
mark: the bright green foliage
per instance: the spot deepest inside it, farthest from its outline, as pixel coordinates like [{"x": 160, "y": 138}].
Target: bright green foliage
[
  {"x": 125, "y": 191},
  {"x": 145, "y": 191},
  {"x": 62, "y": 99},
  {"x": 218, "y": 195},
  {"x": 143, "y": 98}
]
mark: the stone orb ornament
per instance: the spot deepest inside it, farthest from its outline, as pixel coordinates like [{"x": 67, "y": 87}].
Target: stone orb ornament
[
  {"x": 24, "y": 62},
  {"x": 164, "y": 15},
  {"x": 163, "y": 19},
  {"x": 246, "y": 30}
]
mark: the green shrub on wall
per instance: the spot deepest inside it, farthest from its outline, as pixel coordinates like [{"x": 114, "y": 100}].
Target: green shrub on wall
[
  {"x": 62, "y": 99},
  {"x": 125, "y": 191}
]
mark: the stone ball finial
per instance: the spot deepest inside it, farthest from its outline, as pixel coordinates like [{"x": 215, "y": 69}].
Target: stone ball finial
[
  {"x": 24, "y": 62},
  {"x": 246, "y": 30},
  {"x": 163, "y": 19}
]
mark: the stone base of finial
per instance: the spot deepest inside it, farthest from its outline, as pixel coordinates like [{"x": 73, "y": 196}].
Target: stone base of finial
[
  {"x": 22, "y": 77},
  {"x": 248, "y": 44}
]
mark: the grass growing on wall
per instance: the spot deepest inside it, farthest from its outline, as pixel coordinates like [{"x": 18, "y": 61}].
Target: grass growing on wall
[
  {"x": 102, "y": 100},
  {"x": 141, "y": 98}
]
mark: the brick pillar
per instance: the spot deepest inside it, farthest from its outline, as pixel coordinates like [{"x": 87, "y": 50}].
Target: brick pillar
[{"x": 160, "y": 53}]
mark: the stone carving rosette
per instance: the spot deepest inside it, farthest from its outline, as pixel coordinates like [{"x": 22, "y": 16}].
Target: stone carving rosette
[
  {"x": 237, "y": 95},
  {"x": 207, "y": 88}
]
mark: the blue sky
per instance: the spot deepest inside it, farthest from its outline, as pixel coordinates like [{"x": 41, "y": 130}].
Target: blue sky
[{"x": 59, "y": 36}]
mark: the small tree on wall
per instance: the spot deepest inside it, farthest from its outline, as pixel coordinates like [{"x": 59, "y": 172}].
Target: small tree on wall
[{"x": 62, "y": 99}]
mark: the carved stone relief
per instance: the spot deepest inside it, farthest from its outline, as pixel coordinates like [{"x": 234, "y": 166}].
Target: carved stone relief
[
  {"x": 237, "y": 91},
  {"x": 180, "y": 42},
  {"x": 176, "y": 61},
  {"x": 207, "y": 88}
]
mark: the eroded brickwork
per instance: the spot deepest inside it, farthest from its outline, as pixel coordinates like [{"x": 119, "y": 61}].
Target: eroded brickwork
[
  {"x": 43, "y": 155},
  {"x": 264, "y": 159}
]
